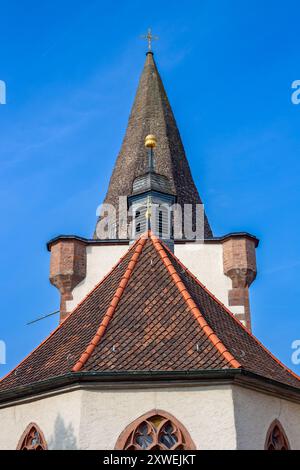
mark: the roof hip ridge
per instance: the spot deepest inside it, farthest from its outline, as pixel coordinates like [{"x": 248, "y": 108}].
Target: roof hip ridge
[
  {"x": 215, "y": 340},
  {"x": 233, "y": 316},
  {"x": 112, "y": 306},
  {"x": 52, "y": 333}
]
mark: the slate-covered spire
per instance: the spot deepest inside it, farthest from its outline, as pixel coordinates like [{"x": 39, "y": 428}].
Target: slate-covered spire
[{"x": 152, "y": 114}]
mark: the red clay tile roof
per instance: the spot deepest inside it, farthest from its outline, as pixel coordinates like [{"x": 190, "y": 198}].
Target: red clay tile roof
[{"x": 148, "y": 313}]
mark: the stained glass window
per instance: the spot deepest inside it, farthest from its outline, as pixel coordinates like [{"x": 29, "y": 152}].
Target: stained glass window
[
  {"x": 155, "y": 432},
  {"x": 32, "y": 439},
  {"x": 276, "y": 438}
]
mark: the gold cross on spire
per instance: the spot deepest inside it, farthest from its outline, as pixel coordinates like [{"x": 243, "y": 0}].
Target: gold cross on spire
[{"x": 149, "y": 37}]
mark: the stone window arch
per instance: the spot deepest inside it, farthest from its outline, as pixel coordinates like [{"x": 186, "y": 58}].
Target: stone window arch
[
  {"x": 32, "y": 439},
  {"x": 155, "y": 430},
  {"x": 276, "y": 437}
]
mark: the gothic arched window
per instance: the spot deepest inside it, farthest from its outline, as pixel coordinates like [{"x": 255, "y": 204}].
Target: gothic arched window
[
  {"x": 156, "y": 430},
  {"x": 32, "y": 439},
  {"x": 276, "y": 438}
]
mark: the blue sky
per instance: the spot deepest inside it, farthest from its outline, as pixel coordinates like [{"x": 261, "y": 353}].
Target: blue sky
[{"x": 71, "y": 70}]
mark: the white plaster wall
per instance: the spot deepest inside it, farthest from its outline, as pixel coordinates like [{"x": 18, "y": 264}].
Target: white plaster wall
[
  {"x": 94, "y": 419},
  {"x": 206, "y": 412},
  {"x": 205, "y": 261},
  {"x": 217, "y": 417},
  {"x": 254, "y": 413},
  {"x": 100, "y": 260},
  {"x": 58, "y": 417}
]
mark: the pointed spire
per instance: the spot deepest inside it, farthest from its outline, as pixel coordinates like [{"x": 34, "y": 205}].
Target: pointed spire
[{"x": 152, "y": 114}]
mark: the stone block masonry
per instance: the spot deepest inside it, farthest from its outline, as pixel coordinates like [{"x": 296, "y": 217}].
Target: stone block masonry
[
  {"x": 67, "y": 269},
  {"x": 239, "y": 262}
]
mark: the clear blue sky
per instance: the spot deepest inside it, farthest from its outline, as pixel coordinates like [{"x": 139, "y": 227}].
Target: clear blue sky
[{"x": 71, "y": 70}]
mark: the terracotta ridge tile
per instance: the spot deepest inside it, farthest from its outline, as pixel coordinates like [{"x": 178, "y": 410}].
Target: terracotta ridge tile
[
  {"x": 231, "y": 314},
  {"x": 112, "y": 307},
  {"x": 192, "y": 305}
]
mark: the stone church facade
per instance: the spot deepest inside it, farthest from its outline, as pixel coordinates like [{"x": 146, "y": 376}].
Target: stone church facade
[{"x": 154, "y": 348}]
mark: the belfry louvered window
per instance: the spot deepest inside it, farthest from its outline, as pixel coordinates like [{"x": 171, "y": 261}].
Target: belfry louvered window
[
  {"x": 162, "y": 221},
  {"x": 140, "y": 225},
  {"x": 137, "y": 223},
  {"x": 160, "y": 224},
  {"x": 155, "y": 431}
]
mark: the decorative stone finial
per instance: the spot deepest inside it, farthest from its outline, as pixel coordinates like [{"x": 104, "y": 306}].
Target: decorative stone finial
[{"x": 150, "y": 141}]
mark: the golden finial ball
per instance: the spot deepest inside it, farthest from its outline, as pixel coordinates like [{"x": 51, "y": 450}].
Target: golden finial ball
[{"x": 150, "y": 141}]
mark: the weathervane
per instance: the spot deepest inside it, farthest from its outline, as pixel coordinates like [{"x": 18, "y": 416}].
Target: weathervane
[{"x": 149, "y": 37}]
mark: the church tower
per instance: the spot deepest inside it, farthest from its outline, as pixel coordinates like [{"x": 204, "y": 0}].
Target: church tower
[
  {"x": 154, "y": 348},
  {"x": 152, "y": 187}
]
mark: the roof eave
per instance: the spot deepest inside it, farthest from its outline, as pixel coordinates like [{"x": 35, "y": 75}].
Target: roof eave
[
  {"x": 87, "y": 241},
  {"x": 224, "y": 238},
  {"x": 137, "y": 378},
  {"x": 125, "y": 241},
  {"x": 113, "y": 377}
]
